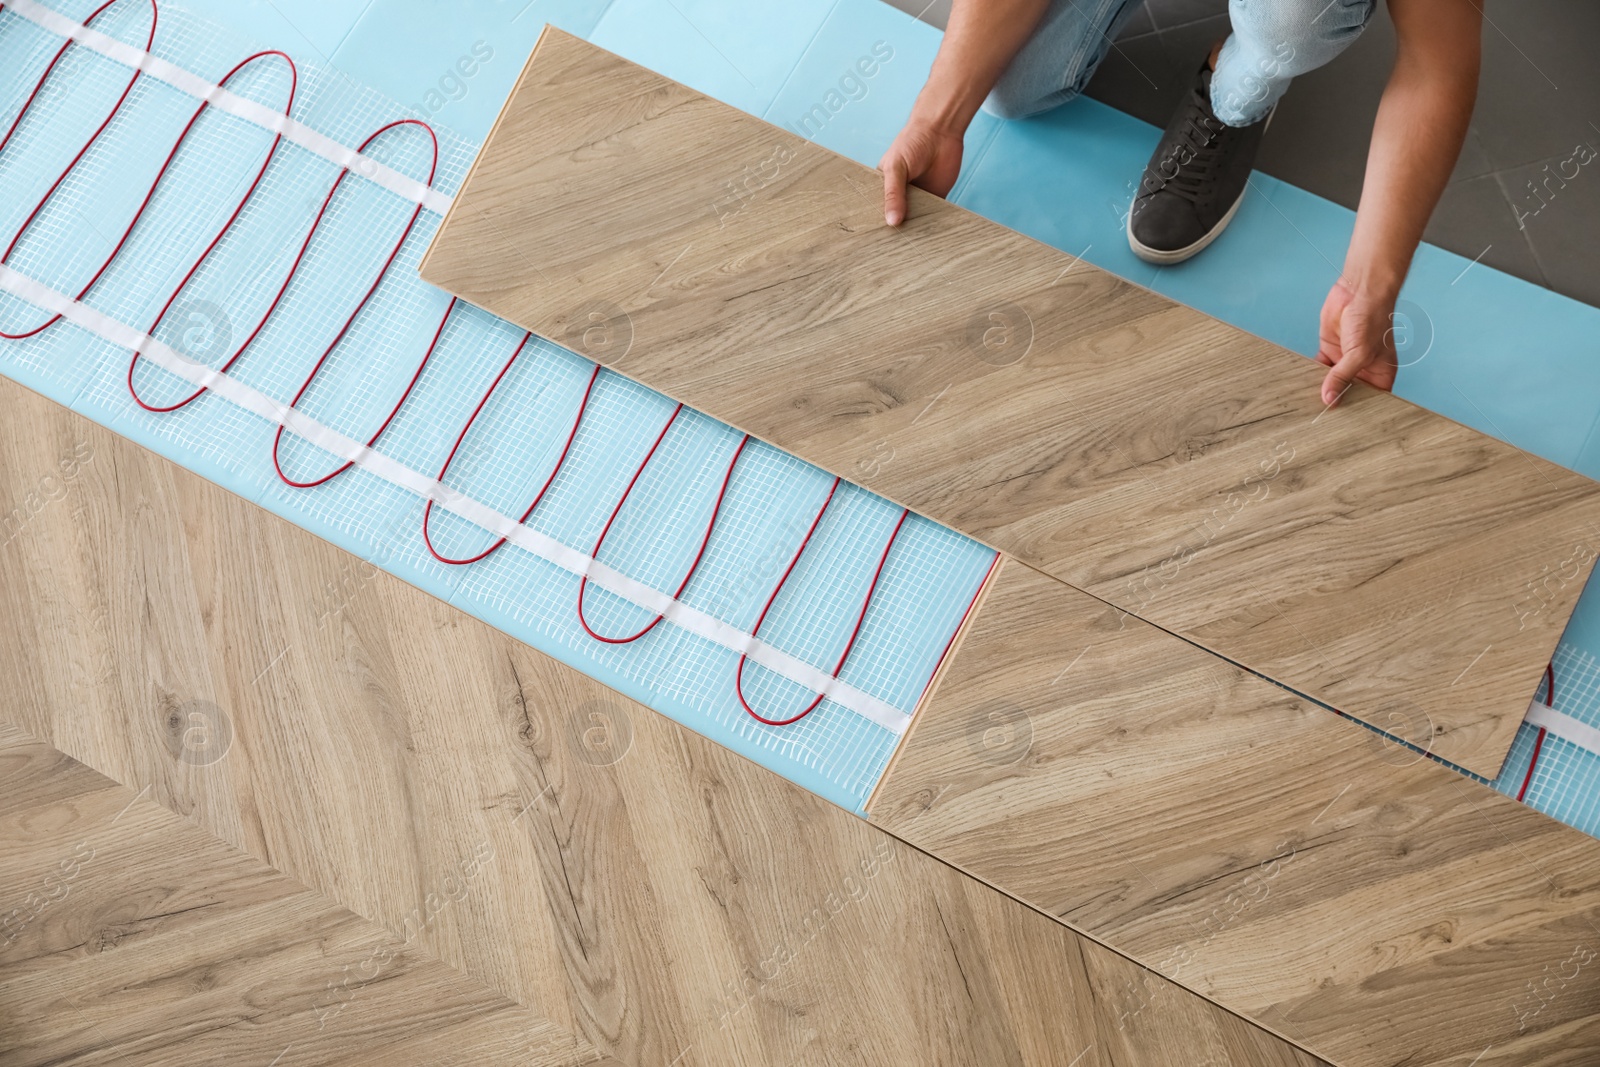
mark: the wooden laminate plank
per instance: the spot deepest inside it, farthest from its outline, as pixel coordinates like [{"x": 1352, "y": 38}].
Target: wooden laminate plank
[
  {"x": 648, "y": 890},
  {"x": 1342, "y": 889},
  {"x": 133, "y": 937},
  {"x": 1179, "y": 468}
]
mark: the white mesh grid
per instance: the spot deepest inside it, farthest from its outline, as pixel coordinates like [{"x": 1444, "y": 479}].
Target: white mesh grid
[
  {"x": 926, "y": 586},
  {"x": 1566, "y": 780}
]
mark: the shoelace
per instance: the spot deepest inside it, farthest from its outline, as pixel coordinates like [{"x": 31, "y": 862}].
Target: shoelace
[{"x": 1189, "y": 172}]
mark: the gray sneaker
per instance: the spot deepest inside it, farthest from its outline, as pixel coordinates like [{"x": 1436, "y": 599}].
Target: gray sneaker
[{"x": 1195, "y": 180}]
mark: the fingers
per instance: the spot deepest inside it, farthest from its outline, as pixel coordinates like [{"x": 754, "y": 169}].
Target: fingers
[
  {"x": 894, "y": 188},
  {"x": 1328, "y": 348}
]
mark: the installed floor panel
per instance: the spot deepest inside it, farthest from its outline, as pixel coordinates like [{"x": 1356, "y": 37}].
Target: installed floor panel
[
  {"x": 1318, "y": 877},
  {"x": 141, "y": 939},
  {"x": 1369, "y": 556},
  {"x": 549, "y": 842}
]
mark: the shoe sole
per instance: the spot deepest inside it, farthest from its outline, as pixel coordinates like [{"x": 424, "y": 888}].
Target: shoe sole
[{"x": 1164, "y": 258}]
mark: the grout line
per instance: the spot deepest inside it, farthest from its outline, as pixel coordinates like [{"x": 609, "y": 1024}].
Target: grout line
[
  {"x": 712, "y": 44},
  {"x": 1527, "y": 238},
  {"x": 365, "y": 10},
  {"x": 766, "y": 113}
]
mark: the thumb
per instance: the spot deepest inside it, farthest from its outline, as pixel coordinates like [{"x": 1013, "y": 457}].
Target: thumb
[{"x": 1343, "y": 374}]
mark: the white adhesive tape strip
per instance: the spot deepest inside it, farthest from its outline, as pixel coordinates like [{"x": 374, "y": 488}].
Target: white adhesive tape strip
[
  {"x": 339, "y": 154},
  {"x": 1564, "y": 726},
  {"x": 541, "y": 545}
]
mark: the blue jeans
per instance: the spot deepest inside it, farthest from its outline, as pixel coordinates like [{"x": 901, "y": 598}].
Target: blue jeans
[{"x": 1271, "y": 42}]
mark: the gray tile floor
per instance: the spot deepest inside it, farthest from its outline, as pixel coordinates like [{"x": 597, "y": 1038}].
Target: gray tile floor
[{"x": 1538, "y": 100}]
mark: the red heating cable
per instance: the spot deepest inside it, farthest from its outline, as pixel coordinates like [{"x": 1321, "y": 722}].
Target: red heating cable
[
  {"x": 27, "y": 223},
  {"x": 277, "y": 438},
  {"x": 432, "y": 347},
  {"x": 211, "y": 247},
  {"x": 39, "y": 85},
  {"x": 1538, "y": 743},
  {"x": 866, "y": 603},
  {"x": 283, "y": 288},
  {"x": 699, "y": 556},
  {"x": 294, "y": 83},
  {"x": 427, "y": 512}
]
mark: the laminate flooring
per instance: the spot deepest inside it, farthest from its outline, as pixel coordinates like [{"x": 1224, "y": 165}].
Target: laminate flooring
[
  {"x": 1394, "y": 564},
  {"x": 357, "y": 764},
  {"x": 1315, "y": 876},
  {"x": 138, "y": 938}
]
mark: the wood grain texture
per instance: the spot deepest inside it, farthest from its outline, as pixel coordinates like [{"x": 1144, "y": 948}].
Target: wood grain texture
[
  {"x": 132, "y": 936},
  {"x": 665, "y": 900},
  {"x": 1371, "y": 556},
  {"x": 1342, "y": 889}
]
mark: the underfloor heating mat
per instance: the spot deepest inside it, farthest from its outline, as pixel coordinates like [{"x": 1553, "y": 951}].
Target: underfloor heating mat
[
  {"x": 1554, "y": 764},
  {"x": 804, "y": 616},
  {"x": 840, "y": 72}
]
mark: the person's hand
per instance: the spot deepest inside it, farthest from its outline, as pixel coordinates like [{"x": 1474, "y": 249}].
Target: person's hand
[
  {"x": 926, "y": 155},
  {"x": 1357, "y": 341}
]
